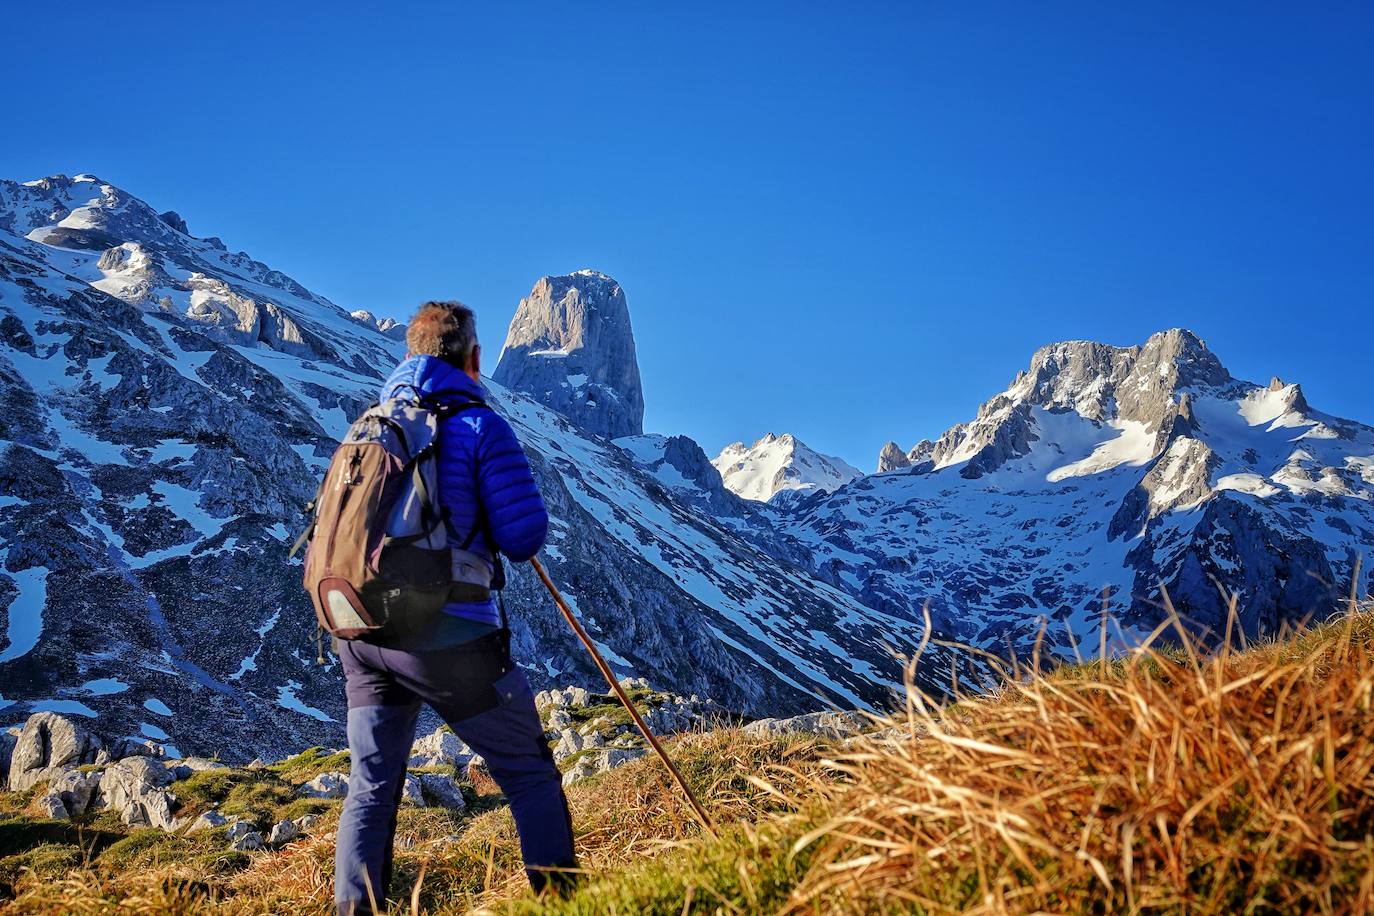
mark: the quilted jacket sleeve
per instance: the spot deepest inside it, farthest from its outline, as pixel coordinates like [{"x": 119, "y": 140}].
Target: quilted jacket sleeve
[{"x": 515, "y": 510}]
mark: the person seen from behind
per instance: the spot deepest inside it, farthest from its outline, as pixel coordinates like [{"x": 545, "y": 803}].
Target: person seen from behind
[{"x": 458, "y": 663}]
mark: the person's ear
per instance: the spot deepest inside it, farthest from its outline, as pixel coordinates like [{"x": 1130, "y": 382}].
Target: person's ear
[{"x": 475, "y": 360}]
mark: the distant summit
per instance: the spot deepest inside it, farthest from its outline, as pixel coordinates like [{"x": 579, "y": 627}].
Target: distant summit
[
  {"x": 775, "y": 464},
  {"x": 571, "y": 347}
]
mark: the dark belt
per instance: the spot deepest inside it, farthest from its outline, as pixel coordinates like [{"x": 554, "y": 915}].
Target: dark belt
[{"x": 466, "y": 593}]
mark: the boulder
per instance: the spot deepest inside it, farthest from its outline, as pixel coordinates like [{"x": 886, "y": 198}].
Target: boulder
[
  {"x": 207, "y": 821},
  {"x": 834, "y": 725},
  {"x": 325, "y": 785},
  {"x": 440, "y": 748},
  {"x": 48, "y": 745},
  {"x": 133, "y": 787},
  {"x": 9, "y": 738},
  {"x": 411, "y": 793},
  {"x": 569, "y": 743},
  {"x": 607, "y": 759},
  {"x": 51, "y": 807},
  {"x": 243, "y": 837},
  {"x": 283, "y": 833},
  {"x": 619, "y": 756},
  {"x": 442, "y": 792},
  {"x": 70, "y": 794},
  {"x": 137, "y": 747}
]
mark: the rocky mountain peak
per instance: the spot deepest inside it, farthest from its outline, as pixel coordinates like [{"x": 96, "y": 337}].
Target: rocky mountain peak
[
  {"x": 175, "y": 220},
  {"x": 388, "y": 326},
  {"x": 1183, "y": 354},
  {"x": 892, "y": 458},
  {"x": 571, "y": 347},
  {"x": 1139, "y": 382},
  {"x": 776, "y": 463},
  {"x": 1149, "y": 384}
]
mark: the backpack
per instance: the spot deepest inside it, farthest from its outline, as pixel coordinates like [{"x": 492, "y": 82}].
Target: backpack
[{"x": 379, "y": 547}]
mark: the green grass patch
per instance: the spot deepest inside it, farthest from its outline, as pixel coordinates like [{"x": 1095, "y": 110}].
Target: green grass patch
[
  {"x": 743, "y": 872},
  {"x": 145, "y": 848},
  {"x": 259, "y": 802},
  {"x": 310, "y": 763},
  {"x": 48, "y": 860}
]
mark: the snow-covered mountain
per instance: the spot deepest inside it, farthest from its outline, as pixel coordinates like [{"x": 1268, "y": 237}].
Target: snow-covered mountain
[
  {"x": 1116, "y": 469},
  {"x": 169, "y": 407},
  {"x": 780, "y": 464}
]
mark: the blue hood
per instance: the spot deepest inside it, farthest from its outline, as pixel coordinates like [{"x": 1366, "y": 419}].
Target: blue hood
[{"x": 425, "y": 377}]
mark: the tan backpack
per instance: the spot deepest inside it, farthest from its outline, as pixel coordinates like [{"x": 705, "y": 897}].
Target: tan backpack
[{"x": 379, "y": 546}]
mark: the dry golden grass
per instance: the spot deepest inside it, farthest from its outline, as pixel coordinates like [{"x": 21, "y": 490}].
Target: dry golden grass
[
  {"x": 1161, "y": 782},
  {"x": 1164, "y": 782},
  {"x": 629, "y": 815}
]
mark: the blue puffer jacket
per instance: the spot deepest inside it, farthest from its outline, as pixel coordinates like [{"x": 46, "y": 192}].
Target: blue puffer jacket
[{"x": 504, "y": 483}]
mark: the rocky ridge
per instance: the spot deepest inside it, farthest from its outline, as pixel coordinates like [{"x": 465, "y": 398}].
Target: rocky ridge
[
  {"x": 1101, "y": 472},
  {"x": 170, "y": 407}
]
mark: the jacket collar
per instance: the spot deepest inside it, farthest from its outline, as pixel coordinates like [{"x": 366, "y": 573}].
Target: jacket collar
[{"x": 426, "y": 377}]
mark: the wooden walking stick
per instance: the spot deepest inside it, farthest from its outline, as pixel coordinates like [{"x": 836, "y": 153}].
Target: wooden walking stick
[{"x": 624, "y": 698}]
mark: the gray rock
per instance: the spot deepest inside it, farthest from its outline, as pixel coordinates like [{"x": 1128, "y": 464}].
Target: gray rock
[
  {"x": 325, "y": 785},
  {"x": 243, "y": 837},
  {"x": 571, "y": 347},
  {"x": 138, "y": 747},
  {"x": 834, "y": 725},
  {"x": 615, "y": 757},
  {"x": 49, "y": 744},
  {"x": 411, "y": 792},
  {"x": 607, "y": 759},
  {"x": 208, "y": 820},
  {"x": 182, "y": 769},
  {"x": 441, "y": 791},
  {"x": 440, "y": 748},
  {"x": 9, "y": 738},
  {"x": 283, "y": 833},
  {"x": 133, "y": 787},
  {"x": 50, "y": 804},
  {"x": 569, "y": 743},
  {"x": 73, "y": 790}
]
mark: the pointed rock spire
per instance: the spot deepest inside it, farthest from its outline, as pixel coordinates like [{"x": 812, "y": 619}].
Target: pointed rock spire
[
  {"x": 571, "y": 347},
  {"x": 892, "y": 457}
]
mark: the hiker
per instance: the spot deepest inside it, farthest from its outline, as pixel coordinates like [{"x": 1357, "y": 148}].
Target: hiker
[{"x": 458, "y": 661}]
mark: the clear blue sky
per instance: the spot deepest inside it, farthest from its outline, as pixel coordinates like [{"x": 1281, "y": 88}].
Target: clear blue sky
[{"x": 852, "y": 222}]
